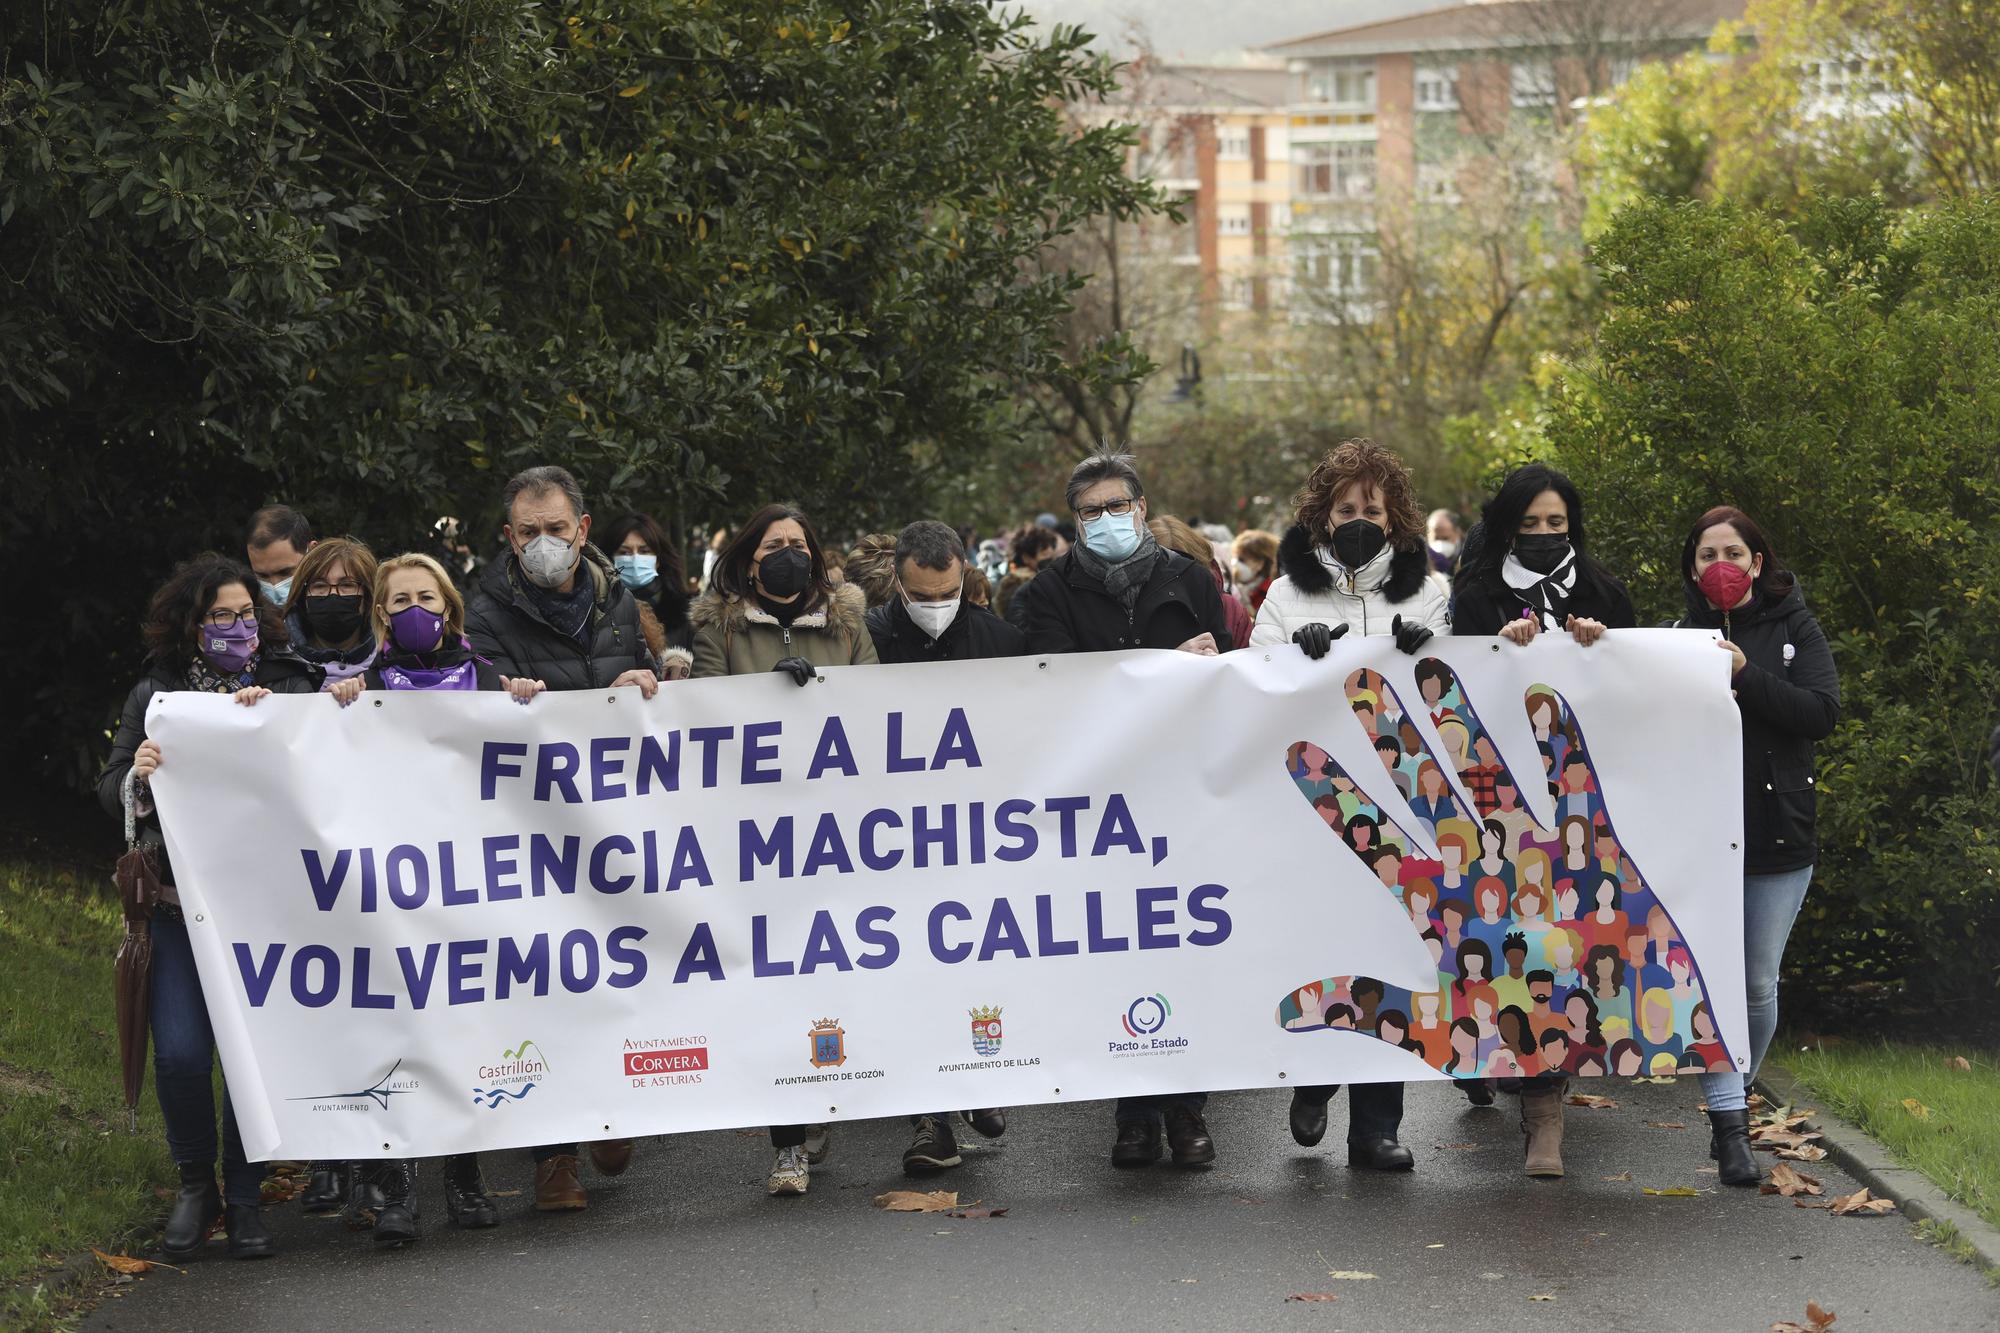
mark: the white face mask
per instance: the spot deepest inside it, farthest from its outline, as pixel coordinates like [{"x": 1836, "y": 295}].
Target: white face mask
[
  {"x": 1244, "y": 574},
  {"x": 933, "y": 618},
  {"x": 548, "y": 560},
  {"x": 1447, "y": 549}
]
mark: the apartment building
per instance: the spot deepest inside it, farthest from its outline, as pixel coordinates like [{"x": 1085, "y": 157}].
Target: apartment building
[{"x": 1388, "y": 119}]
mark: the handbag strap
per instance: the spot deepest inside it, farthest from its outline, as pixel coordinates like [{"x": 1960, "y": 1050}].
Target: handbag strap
[{"x": 128, "y": 793}]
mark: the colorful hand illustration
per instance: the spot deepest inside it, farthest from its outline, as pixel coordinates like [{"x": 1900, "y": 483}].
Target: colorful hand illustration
[{"x": 1552, "y": 953}]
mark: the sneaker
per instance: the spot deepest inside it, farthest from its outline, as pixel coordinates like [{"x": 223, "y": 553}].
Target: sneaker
[
  {"x": 819, "y": 1142},
  {"x": 790, "y": 1174},
  {"x": 933, "y": 1149},
  {"x": 991, "y": 1123}
]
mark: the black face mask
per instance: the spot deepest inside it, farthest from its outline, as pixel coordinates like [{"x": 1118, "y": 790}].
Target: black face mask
[
  {"x": 784, "y": 573},
  {"x": 334, "y": 618},
  {"x": 1358, "y": 541},
  {"x": 1541, "y": 552}
]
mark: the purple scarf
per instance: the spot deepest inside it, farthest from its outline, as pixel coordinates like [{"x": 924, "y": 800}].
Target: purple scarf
[{"x": 462, "y": 676}]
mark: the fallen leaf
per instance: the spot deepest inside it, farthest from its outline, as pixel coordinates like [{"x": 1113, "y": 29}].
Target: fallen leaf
[
  {"x": 1916, "y": 1108},
  {"x": 1622, "y": 1175},
  {"x": 1784, "y": 1138},
  {"x": 1811, "y": 1152},
  {"x": 911, "y": 1201},
  {"x": 1542, "y": 1296},
  {"x": 1435, "y": 1246},
  {"x": 503, "y": 1194},
  {"x": 121, "y": 1263},
  {"x": 1312, "y": 1296},
  {"x": 1673, "y": 1192},
  {"x": 1861, "y": 1201},
  {"x": 978, "y": 1212},
  {"x": 1789, "y": 1182},
  {"x": 1818, "y": 1320},
  {"x": 1665, "y": 1124},
  {"x": 1591, "y": 1100},
  {"x": 1190, "y": 1280},
  {"x": 1349, "y": 1275},
  {"x": 1960, "y": 1063}
]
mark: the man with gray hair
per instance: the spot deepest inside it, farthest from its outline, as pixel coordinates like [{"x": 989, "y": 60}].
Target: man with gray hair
[
  {"x": 927, "y": 619},
  {"x": 1117, "y": 588},
  {"x": 553, "y": 609}
]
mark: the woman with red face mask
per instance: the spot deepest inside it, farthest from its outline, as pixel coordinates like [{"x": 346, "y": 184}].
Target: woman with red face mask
[{"x": 1789, "y": 694}]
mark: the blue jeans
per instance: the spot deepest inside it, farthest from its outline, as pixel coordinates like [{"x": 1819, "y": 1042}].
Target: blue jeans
[
  {"x": 1152, "y": 1108},
  {"x": 184, "y": 1065},
  {"x": 1770, "y": 905},
  {"x": 1374, "y": 1110}
]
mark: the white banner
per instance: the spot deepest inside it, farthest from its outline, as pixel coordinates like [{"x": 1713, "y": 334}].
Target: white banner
[{"x": 435, "y": 922}]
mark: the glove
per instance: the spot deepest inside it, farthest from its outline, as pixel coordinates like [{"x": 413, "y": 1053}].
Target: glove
[
  {"x": 1316, "y": 639},
  {"x": 798, "y": 669},
  {"x": 1412, "y": 636}
]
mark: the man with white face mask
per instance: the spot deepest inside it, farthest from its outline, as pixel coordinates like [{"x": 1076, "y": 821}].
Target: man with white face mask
[{"x": 927, "y": 619}]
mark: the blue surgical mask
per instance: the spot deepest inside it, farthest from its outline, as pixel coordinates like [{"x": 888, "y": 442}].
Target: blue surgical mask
[
  {"x": 1112, "y": 536},
  {"x": 636, "y": 571},
  {"x": 279, "y": 592}
]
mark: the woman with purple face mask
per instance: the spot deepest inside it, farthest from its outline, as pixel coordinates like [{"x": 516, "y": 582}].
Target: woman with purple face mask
[{"x": 206, "y": 629}]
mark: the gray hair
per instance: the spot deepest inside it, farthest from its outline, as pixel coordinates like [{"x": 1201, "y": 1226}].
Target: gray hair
[
  {"x": 1103, "y": 467},
  {"x": 537, "y": 480},
  {"x": 933, "y": 545}
]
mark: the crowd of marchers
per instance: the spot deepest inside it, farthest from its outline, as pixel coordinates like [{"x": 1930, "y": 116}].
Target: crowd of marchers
[{"x": 568, "y": 604}]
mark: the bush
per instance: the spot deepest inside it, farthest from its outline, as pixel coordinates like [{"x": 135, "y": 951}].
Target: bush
[{"x": 1838, "y": 377}]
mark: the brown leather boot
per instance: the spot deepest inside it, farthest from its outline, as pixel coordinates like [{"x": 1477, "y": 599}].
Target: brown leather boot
[
  {"x": 1542, "y": 1127},
  {"x": 557, "y": 1189},
  {"x": 611, "y": 1157}
]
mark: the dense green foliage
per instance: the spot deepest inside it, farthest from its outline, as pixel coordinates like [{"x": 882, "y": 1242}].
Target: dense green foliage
[
  {"x": 1839, "y": 379},
  {"x": 369, "y": 256}
]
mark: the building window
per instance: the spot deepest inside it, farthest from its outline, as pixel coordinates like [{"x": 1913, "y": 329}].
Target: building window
[
  {"x": 1534, "y": 83},
  {"x": 1340, "y": 268},
  {"x": 1233, "y": 144},
  {"x": 1345, "y": 85},
  {"x": 1437, "y": 88},
  {"x": 1238, "y": 293},
  {"x": 1437, "y": 183},
  {"x": 1233, "y": 219},
  {"x": 1343, "y": 170},
  {"x": 1852, "y": 76}
]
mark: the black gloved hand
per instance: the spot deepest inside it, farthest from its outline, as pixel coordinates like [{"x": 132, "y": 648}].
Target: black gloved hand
[
  {"x": 1412, "y": 636},
  {"x": 797, "y": 668},
  {"x": 1316, "y": 639}
]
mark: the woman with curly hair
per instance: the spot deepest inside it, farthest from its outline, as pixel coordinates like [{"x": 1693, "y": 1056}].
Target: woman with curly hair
[{"x": 1355, "y": 560}]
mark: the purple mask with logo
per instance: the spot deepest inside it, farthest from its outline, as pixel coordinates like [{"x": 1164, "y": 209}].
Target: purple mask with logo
[
  {"x": 229, "y": 649},
  {"x": 416, "y": 629}
]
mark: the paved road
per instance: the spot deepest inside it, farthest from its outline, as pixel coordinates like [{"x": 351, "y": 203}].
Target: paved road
[{"x": 687, "y": 1240}]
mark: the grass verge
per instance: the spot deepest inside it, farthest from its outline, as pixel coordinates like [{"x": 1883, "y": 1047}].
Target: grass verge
[
  {"x": 1916, "y": 1100},
  {"x": 75, "y": 1176}
]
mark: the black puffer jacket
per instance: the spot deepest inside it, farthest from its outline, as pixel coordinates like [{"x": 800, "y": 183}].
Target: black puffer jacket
[
  {"x": 280, "y": 671},
  {"x": 1070, "y": 612},
  {"x": 1789, "y": 695},
  {"x": 507, "y": 629},
  {"x": 974, "y": 633}
]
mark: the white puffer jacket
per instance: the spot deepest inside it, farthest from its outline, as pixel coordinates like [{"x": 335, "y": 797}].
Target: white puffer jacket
[{"x": 1395, "y": 583}]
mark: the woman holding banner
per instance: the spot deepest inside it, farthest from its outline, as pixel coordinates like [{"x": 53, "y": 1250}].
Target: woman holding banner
[
  {"x": 206, "y": 629},
  {"x": 1789, "y": 695},
  {"x": 1355, "y": 559},
  {"x": 329, "y": 613},
  {"x": 771, "y": 607}
]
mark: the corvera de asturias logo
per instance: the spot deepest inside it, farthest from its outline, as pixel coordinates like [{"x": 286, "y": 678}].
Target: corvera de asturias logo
[{"x": 518, "y": 1072}]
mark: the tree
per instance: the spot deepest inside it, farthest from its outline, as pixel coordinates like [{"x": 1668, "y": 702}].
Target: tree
[{"x": 369, "y": 256}]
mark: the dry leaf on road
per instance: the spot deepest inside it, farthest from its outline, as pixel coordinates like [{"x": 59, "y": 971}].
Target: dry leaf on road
[
  {"x": 1916, "y": 1108},
  {"x": 1591, "y": 1100},
  {"x": 1789, "y": 1182},
  {"x": 1312, "y": 1296},
  {"x": 125, "y": 1263},
  {"x": 910, "y": 1201},
  {"x": 1818, "y": 1320},
  {"x": 1810, "y": 1152},
  {"x": 1673, "y": 1192},
  {"x": 1861, "y": 1202}
]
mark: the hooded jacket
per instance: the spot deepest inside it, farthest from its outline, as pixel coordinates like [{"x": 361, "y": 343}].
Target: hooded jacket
[
  {"x": 1395, "y": 583},
  {"x": 1070, "y": 612},
  {"x": 736, "y": 637},
  {"x": 1789, "y": 695},
  {"x": 973, "y": 633},
  {"x": 505, "y": 627}
]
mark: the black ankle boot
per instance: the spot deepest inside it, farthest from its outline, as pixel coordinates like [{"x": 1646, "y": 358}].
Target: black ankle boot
[
  {"x": 364, "y": 1195},
  {"x": 249, "y": 1238},
  {"x": 1735, "y": 1161},
  {"x": 197, "y": 1208},
  {"x": 326, "y": 1188},
  {"x": 396, "y": 1219},
  {"x": 465, "y": 1198}
]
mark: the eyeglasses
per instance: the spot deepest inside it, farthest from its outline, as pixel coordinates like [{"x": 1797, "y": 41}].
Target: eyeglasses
[
  {"x": 344, "y": 588},
  {"x": 1115, "y": 508},
  {"x": 225, "y": 619}
]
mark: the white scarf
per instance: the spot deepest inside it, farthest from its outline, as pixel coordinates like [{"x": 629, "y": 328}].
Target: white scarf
[
  {"x": 1365, "y": 579},
  {"x": 1547, "y": 593}
]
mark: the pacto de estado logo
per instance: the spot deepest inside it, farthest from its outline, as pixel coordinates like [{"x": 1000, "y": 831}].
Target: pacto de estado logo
[
  {"x": 1143, "y": 1020},
  {"x": 519, "y": 1071},
  {"x": 664, "y": 1062}
]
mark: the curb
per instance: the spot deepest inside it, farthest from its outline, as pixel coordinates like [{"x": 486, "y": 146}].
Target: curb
[{"x": 1852, "y": 1149}]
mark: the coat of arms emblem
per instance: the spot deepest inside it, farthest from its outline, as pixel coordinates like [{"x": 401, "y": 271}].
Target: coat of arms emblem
[
  {"x": 829, "y": 1043},
  {"x": 985, "y": 1030}
]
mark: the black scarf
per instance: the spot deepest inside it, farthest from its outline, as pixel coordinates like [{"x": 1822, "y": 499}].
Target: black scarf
[{"x": 1126, "y": 579}]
